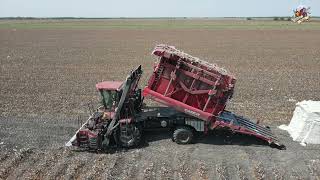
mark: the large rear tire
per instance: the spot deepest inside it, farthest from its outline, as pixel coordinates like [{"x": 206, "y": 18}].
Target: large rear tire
[{"x": 183, "y": 135}]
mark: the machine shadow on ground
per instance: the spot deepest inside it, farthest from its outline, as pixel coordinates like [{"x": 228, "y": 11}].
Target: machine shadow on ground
[{"x": 217, "y": 137}]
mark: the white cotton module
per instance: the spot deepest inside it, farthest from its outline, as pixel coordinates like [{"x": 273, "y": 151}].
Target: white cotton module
[{"x": 305, "y": 123}]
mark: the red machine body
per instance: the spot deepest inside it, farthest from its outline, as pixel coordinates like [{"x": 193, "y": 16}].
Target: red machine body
[
  {"x": 109, "y": 85},
  {"x": 195, "y": 92},
  {"x": 189, "y": 84}
]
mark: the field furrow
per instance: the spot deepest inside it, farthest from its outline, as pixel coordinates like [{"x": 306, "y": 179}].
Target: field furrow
[{"x": 49, "y": 69}]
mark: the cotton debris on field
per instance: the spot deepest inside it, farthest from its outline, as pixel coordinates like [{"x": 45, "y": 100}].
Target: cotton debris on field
[{"x": 305, "y": 123}]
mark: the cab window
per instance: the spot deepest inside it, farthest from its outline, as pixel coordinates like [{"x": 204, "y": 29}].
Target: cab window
[{"x": 108, "y": 98}]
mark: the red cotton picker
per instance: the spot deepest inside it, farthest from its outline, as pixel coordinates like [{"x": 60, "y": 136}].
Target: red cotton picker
[{"x": 194, "y": 91}]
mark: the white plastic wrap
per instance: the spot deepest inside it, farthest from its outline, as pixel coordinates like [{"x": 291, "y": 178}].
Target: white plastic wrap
[{"x": 305, "y": 123}]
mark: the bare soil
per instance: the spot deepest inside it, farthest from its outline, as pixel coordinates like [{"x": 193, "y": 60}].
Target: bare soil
[{"x": 48, "y": 77}]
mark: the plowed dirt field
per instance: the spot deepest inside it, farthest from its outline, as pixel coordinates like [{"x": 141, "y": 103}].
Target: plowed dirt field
[{"x": 48, "y": 72}]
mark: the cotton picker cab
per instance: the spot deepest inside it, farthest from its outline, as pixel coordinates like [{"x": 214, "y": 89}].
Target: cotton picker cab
[{"x": 110, "y": 93}]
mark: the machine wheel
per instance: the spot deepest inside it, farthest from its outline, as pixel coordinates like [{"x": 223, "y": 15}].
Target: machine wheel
[
  {"x": 183, "y": 135},
  {"x": 132, "y": 138}
]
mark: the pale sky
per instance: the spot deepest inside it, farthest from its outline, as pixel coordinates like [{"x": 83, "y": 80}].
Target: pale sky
[{"x": 153, "y": 8}]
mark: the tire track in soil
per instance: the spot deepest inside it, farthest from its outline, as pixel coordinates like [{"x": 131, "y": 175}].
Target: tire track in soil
[
  {"x": 278, "y": 173},
  {"x": 232, "y": 171},
  {"x": 61, "y": 165},
  {"x": 123, "y": 165},
  {"x": 149, "y": 170},
  {"x": 314, "y": 169},
  {"x": 201, "y": 171},
  {"x": 4, "y": 157},
  {"x": 75, "y": 167},
  {"x": 135, "y": 162},
  {"x": 81, "y": 166},
  {"x": 112, "y": 159},
  {"x": 154, "y": 166},
  {"x": 222, "y": 171},
  {"x": 118, "y": 167},
  {"x": 42, "y": 166},
  {"x": 165, "y": 171},
  {"x": 12, "y": 162},
  {"x": 298, "y": 172},
  {"x": 295, "y": 175},
  {"x": 74, "y": 171},
  {"x": 241, "y": 172},
  {"x": 101, "y": 166},
  {"x": 212, "y": 173},
  {"x": 184, "y": 166},
  {"x": 145, "y": 167},
  {"x": 259, "y": 171},
  {"x": 175, "y": 165},
  {"x": 20, "y": 169}
]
